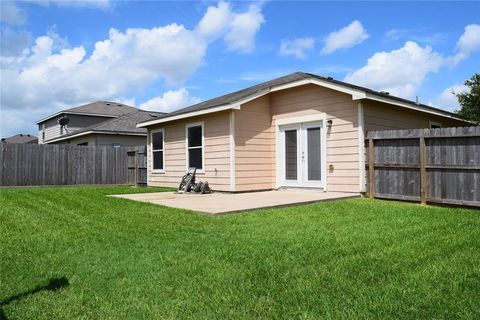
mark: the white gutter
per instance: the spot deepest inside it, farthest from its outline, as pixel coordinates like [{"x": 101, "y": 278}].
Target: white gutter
[
  {"x": 75, "y": 113},
  {"x": 235, "y": 105},
  {"x": 93, "y": 132}
]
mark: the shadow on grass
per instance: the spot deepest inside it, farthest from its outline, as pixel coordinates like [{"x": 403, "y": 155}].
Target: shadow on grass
[{"x": 54, "y": 284}]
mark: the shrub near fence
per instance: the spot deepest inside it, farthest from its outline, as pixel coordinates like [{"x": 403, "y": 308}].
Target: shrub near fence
[
  {"x": 427, "y": 165},
  {"x": 36, "y": 165}
]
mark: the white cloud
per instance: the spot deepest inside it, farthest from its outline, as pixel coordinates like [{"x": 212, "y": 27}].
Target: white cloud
[
  {"x": 468, "y": 43},
  {"x": 215, "y": 21},
  {"x": 447, "y": 99},
  {"x": 12, "y": 14},
  {"x": 101, "y": 4},
  {"x": 421, "y": 35},
  {"x": 50, "y": 75},
  {"x": 345, "y": 38},
  {"x": 400, "y": 71},
  {"x": 170, "y": 100},
  {"x": 296, "y": 47},
  {"x": 243, "y": 28}
]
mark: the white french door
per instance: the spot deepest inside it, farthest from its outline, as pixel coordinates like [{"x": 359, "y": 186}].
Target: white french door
[{"x": 301, "y": 158}]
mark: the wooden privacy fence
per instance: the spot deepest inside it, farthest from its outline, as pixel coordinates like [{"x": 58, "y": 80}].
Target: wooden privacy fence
[
  {"x": 38, "y": 165},
  {"x": 427, "y": 165}
]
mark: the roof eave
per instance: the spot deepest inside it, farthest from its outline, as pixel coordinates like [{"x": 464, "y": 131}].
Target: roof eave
[
  {"x": 81, "y": 134},
  {"x": 75, "y": 113},
  {"x": 357, "y": 94}
]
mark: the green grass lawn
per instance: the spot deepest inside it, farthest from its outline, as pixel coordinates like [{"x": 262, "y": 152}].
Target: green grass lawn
[{"x": 355, "y": 258}]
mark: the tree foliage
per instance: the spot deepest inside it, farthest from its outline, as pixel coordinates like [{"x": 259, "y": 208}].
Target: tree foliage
[{"x": 470, "y": 101}]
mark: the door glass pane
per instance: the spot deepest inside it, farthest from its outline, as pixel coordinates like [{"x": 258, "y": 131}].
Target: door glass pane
[
  {"x": 195, "y": 158},
  {"x": 314, "y": 161},
  {"x": 291, "y": 154}
]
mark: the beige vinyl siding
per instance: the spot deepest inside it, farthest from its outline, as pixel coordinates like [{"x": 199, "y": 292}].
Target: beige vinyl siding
[
  {"x": 254, "y": 146},
  {"x": 255, "y": 136},
  {"x": 381, "y": 116},
  {"x": 216, "y": 152},
  {"x": 342, "y": 139}
]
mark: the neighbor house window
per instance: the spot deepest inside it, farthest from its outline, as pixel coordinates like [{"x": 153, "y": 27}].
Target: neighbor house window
[
  {"x": 43, "y": 132},
  {"x": 195, "y": 145},
  {"x": 435, "y": 125},
  {"x": 157, "y": 149}
]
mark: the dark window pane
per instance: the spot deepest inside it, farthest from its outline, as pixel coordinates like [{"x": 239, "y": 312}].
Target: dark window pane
[
  {"x": 291, "y": 154},
  {"x": 157, "y": 140},
  {"x": 158, "y": 160},
  {"x": 314, "y": 163},
  {"x": 195, "y": 158},
  {"x": 195, "y": 136}
]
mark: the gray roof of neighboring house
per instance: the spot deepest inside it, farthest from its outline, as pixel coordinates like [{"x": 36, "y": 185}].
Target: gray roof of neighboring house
[
  {"x": 20, "y": 138},
  {"x": 99, "y": 108},
  {"x": 124, "y": 124},
  {"x": 296, "y": 76}
]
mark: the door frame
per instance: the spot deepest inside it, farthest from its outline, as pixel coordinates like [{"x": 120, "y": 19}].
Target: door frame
[{"x": 318, "y": 117}]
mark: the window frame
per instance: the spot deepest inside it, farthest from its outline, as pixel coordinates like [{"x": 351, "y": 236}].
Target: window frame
[
  {"x": 187, "y": 148},
  {"x": 162, "y": 130}
]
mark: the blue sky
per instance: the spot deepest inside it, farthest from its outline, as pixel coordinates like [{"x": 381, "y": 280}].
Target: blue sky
[{"x": 166, "y": 55}]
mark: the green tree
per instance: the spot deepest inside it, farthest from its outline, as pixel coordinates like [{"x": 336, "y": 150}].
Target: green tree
[{"x": 470, "y": 101}]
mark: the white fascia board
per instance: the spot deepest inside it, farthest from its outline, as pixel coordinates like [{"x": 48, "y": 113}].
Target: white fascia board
[
  {"x": 412, "y": 107},
  {"x": 94, "y": 132},
  {"x": 236, "y": 105},
  {"x": 356, "y": 94},
  {"x": 76, "y": 113}
]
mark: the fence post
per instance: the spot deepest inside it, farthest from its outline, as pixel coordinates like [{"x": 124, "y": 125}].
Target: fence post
[
  {"x": 423, "y": 171},
  {"x": 371, "y": 168}
]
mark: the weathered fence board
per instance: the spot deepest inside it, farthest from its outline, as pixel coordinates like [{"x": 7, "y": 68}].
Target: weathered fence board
[
  {"x": 427, "y": 165},
  {"x": 34, "y": 165}
]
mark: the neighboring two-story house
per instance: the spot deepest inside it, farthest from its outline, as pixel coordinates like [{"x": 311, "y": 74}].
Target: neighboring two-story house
[{"x": 97, "y": 123}]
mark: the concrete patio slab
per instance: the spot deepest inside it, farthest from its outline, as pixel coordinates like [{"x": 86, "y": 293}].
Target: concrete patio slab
[{"x": 218, "y": 203}]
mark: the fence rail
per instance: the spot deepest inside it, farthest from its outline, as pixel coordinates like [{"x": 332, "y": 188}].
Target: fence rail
[
  {"x": 427, "y": 165},
  {"x": 35, "y": 165}
]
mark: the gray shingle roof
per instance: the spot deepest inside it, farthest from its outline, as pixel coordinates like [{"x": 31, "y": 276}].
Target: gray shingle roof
[
  {"x": 124, "y": 124},
  {"x": 101, "y": 108},
  {"x": 20, "y": 138},
  {"x": 296, "y": 76}
]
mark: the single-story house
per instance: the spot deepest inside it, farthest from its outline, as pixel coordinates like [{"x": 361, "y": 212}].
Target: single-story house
[
  {"x": 21, "y": 138},
  {"x": 299, "y": 130},
  {"x": 119, "y": 131}
]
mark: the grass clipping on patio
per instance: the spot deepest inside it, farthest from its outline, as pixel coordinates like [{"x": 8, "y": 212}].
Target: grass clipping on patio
[{"x": 342, "y": 259}]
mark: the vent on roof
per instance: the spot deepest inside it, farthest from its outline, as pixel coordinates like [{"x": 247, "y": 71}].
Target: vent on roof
[
  {"x": 385, "y": 92},
  {"x": 21, "y": 135},
  {"x": 3, "y": 139},
  {"x": 119, "y": 105},
  {"x": 329, "y": 78},
  {"x": 107, "y": 104},
  {"x": 153, "y": 115}
]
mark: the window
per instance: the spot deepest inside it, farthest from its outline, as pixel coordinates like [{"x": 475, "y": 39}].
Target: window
[
  {"x": 43, "y": 132},
  {"x": 435, "y": 125},
  {"x": 195, "y": 145},
  {"x": 157, "y": 149}
]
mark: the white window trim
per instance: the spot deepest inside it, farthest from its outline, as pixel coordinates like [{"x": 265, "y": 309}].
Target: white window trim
[
  {"x": 435, "y": 123},
  {"x": 162, "y": 130},
  {"x": 189, "y": 125}
]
